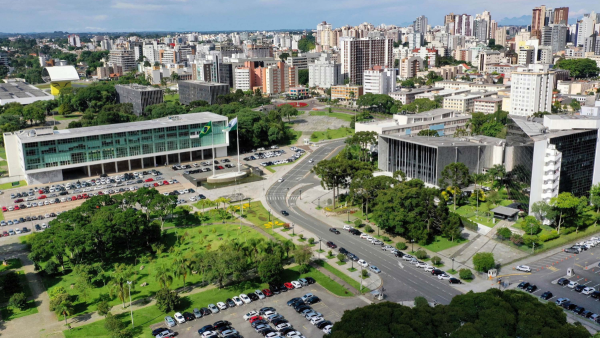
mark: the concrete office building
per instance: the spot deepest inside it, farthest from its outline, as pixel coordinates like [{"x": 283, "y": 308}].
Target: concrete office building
[
  {"x": 324, "y": 73},
  {"x": 424, "y": 158},
  {"x": 122, "y": 58},
  {"x": 444, "y": 121},
  {"x": 407, "y": 95},
  {"x": 346, "y": 92},
  {"x": 197, "y": 90},
  {"x": 531, "y": 90},
  {"x": 45, "y": 155},
  {"x": 138, "y": 95},
  {"x": 487, "y": 105},
  {"x": 359, "y": 55},
  {"x": 410, "y": 66},
  {"x": 21, "y": 92},
  {"x": 379, "y": 80}
]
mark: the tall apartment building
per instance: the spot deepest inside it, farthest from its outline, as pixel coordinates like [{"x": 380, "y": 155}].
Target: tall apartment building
[
  {"x": 4, "y": 59},
  {"x": 429, "y": 55},
  {"x": 273, "y": 79},
  {"x": 555, "y": 36},
  {"x": 359, "y": 55},
  {"x": 324, "y": 73},
  {"x": 410, "y": 66},
  {"x": 74, "y": 40},
  {"x": 585, "y": 28},
  {"x": 561, "y": 16},
  {"x": 526, "y": 55},
  {"x": 463, "y": 25},
  {"x": 190, "y": 91},
  {"x": 325, "y": 36},
  {"x": 258, "y": 51},
  {"x": 379, "y": 80},
  {"x": 500, "y": 36},
  {"x": 488, "y": 57},
  {"x": 122, "y": 58},
  {"x": 538, "y": 20},
  {"x": 420, "y": 24},
  {"x": 531, "y": 90}
]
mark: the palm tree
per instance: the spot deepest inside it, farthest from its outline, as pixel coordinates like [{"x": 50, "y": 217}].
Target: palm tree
[
  {"x": 253, "y": 245},
  {"x": 118, "y": 281},
  {"x": 287, "y": 246},
  {"x": 65, "y": 308},
  {"x": 182, "y": 267},
  {"x": 163, "y": 276},
  {"x": 174, "y": 77}
]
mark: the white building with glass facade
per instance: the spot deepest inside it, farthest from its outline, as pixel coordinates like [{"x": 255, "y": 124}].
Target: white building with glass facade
[{"x": 45, "y": 155}]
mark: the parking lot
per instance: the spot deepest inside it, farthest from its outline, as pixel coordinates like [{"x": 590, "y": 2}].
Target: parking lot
[
  {"x": 548, "y": 270},
  {"x": 331, "y": 307}
]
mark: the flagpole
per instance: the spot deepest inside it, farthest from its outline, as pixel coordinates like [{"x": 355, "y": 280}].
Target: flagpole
[
  {"x": 212, "y": 135},
  {"x": 237, "y": 134}
]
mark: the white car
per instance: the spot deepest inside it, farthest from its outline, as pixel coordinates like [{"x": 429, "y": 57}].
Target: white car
[
  {"x": 327, "y": 329},
  {"x": 407, "y": 257},
  {"x": 245, "y": 298},
  {"x": 250, "y": 315},
  {"x": 222, "y": 306},
  {"x": 213, "y": 308},
  {"x": 444, "y": 276},
  {"x": 588, "y": 290},
  {"x": 347, "y": 227},
  {"x": 280, "y": 180},
  {"x": 428, "y": 268},
  {"x": 315, "y": 320},
  {"x": 17, "y": 231},
  {"x": 209, "y": 334},
  {"x": 363, "y": 263},
  {"x": 572, "y": 285},
  {"x": 282, "y": 326},
  {"x": 306, "y": 296},
  {"x": 422, "y": 265},
  {"x": 269, "y": 335},
  {"x": 293, "y": 334},
  {"x": 296, "y": 284},
  {"x": 179, "y": 318},
  {"x": 364, "y": 235},
  {"x": 237, "y": 301},
  {"x": 312, "y": 314},
  {"x": 523, "y": 268},
  {"x": 260, "y": 294}
]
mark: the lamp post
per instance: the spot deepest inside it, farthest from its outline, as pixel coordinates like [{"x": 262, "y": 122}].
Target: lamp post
[
  {"x": 412, "y": 244},
  {"x": 320, "y": 247},
  {"x": 348, "y": 214},
  {"x": 130, "y": 309},
  {"x": 269, "y": 215},
  {"x": 361, "y": 278},
  {"x": 452, "y": 263},
  {"x": 300, "y": 193},
  {"x": 319, "y": 199},
  {"x": 293, "y": 234}
]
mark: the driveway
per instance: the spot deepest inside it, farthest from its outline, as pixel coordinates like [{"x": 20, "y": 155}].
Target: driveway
[{"x": 332, "y": 308}]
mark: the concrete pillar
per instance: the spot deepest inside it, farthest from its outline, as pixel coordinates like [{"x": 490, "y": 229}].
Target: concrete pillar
[
  {"x": 179, "y": 157},
  {"x": 142, "y": 163},
  {"x": 89, "y": 171},
  {"x": 154, "y": 157},
  {"x": 202, "y": 152},
  {"x": 129, "y": 161},
  {"x": 191, "y": 157},
  {"x": 117, "y": 166},
  {"x": 102, "y": 164},
  {"x": 167, "y": 157}
]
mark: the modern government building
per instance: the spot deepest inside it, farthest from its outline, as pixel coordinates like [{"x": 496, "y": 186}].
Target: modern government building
[{"x": 46, "y": 155}]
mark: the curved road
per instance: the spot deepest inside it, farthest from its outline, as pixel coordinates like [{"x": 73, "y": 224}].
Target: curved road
[{"x": 401, "y": 280}]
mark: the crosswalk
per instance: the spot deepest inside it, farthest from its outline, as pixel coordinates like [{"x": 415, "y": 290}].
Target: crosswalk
[{"x": 276, "y": 197}]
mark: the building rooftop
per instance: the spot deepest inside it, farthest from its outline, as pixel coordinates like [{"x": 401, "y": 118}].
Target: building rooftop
[
  {"x": 416, "y": 90},
  {"x": 489, "y": 99},
  {"x": 21, "y": 90},
  {"x": 531, "y": 127},
  {"x": 46, "y": 134},
  {"x": 571, "y": 117},
  {"x": 138, "y": 87},
  {"x": 439, "y": 142},
  {"x": 203, "y": 83}
]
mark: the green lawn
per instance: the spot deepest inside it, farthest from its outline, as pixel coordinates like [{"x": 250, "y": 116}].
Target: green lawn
[
  {"x": 3, "y": 163},
  {"x": 440, "y": 243},
  {"x": 561, "y": 241},
  {"x": 9, "y": 313},
  {"x": 13, "y": 263},
  {"x": 480, "y": 217},
  {"x": 198, "y": 238},
  {"x": 341, "y": 116},
  {"x": 9, "y": 185},
  {"x": 259, "y": 216},
  {"x": 147, "y": 316},
  {"x": 342, "y": 276},
  {"x": 171, "y": 97},
  {"x": 3, "y": 153},
  {"x": 270, "y": 169},
  {"x": 331, "y": 134}
]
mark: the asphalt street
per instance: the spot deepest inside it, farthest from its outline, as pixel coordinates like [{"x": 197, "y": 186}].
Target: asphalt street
[{"x": 401, "y": 281}]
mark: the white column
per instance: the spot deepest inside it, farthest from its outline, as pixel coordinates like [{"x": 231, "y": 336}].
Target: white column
[
  {"x": 154, "y": 160},
  {"x": 202, "y": 152},
  {"x": 191, "y": 157},
  {"x": 129, "y": 161},
  {"x": 179, "y": 157},
  {"x": 142, "y": 163},
  {"x": 116, "y": 166},
  {"x": 102, "y": 164}
]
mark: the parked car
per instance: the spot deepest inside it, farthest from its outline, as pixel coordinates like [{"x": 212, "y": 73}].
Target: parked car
[
  {"x": 523, "y": 268},
  {"x": 563, "y": 281},
  {"x": 546, "y": 295}
]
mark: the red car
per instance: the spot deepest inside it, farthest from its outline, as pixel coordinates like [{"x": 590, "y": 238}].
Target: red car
[
  {"x": 267, "y": 292},
  {"x": 4, "y": 234},
  {"x": 40, "y": 191},
  {"x": 255, "y": 318},
  {"x": 149, "y": 179},
  {"x": 166, "y": 182},
  {"x": 156, "y": 184},
  {"x": 4, "y": 209},
  {"x": 16, "y": 207},
  {"x": 85, "y": 196},
  {"x": 41, "y": 197},
  {"x": 289, "y": 286},
  {"x": 18, "y": 200},
  {"x": 74, "y": 198},
  {"x": 221, "y": 167},
  {"x": 100, "y": 193}
]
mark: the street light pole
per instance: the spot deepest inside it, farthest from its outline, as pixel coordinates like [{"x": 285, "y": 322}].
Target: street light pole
[
  {"x": 361, "y": 278},
  {"x": 320, "y": 248},
  {"x": 293, "y": 234},
  {"x": 300, "y": 193},
  {"x": 412, "y": 244},
  {"x": 452, "y": 263},
  {"x": 130, "y": 309}
]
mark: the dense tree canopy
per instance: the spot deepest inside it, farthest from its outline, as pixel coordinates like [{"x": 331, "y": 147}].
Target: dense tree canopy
[
  {"x": 474, "y": 315},
  {"x": 579, "y": 68}
]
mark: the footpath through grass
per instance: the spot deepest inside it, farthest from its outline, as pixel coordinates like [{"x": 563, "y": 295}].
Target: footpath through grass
[
  {"x": 147, "y": 316},
  {"x": 67, "y": 117},
  {"x": 331, "y": 134}
]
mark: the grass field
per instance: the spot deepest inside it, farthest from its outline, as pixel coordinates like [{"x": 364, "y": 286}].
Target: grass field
[
  {"x": 3, "y": 153},
  {"x": 3, "y": 163},
  {"x": 341, "y": 116},
  {"x": 331, "y": 134},
  {"x": 9, "y": 313},
  {"x": 143, "y": 318},
  {"x": 198, "y": 238},
  {"x": 171, "y": 97},
  {"x": 342, "y": 276},
  {"x": 13, "y": 263},
  {"x": 9, "y": 185},
  {"x": 440, "y": 243},
  {"x": 258, "y": 215}
]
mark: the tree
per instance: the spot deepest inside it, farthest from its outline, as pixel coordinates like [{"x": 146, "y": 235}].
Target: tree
[
  {"x": 421, "y": 302},
  {"x": 104, "y": 307},
  {"x": 465, "y": 274},
  {"x": 428, "y": 132},
  {"x": 307, "y": 43},
  {"x": 113, "y": 324},
  {"x": 575, "y": 105},
  {"x": 18, "y": 301},
  {"x": 164, "y": 276},
  {"x": 302, "y": 255},
  {"x": 270, "y": 269},
  {"x": 341, "y": 257},
  {"x": 167, "y": 300},
  {"x": 182, "y": 267},
  {"x": 303, "y": 77},
  {"x": 579, "y": 68},
  {"x": 504, "y": 233},
  {"x": 119, "y": 278},
  {"x": 484, "y": 261},
  {"x": 65, "y": 309},
  {"x": 451, "y": 229},
  {"x": 530, "y": 225},
  {"x": 436, "y": 260},
  {"x": 565, "y": 203},
  {"x": 454, "y": 175},
  {"x": 497, "y": 174}
]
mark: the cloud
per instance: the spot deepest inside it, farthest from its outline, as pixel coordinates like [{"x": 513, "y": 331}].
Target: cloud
[
  {"x": 142, "y": 7},
  {"x": 577, "y": 14},
  {"x": 96, "y": 28},
  {"x": 100, "y": 17}
]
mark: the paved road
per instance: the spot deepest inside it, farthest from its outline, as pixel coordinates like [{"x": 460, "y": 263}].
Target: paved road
[{"x": 401, "y": 281}]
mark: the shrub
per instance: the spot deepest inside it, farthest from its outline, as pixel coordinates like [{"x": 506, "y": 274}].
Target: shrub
[
  {"x": 330, "y": 253},
  {"x": 357, "y": 223},
  {"x": 166, "y": 300},
  {"x": 341, "y": 257},
  {"x": 484, "y": 261},
  {"x": 401, "y": 246},
  {"x": 436, "y": 260},
  {"x": 311, "y": 240},
  {"x": 368, "y": 228},
  {"x": 465, "y": 274},
  {"x": 104, "y": 308},
  {"x": 421, "y": 302},
  {"x": 516, "y": 239},
  {"x": 545, "y": 237},
  {"x": 18, "y": 300},
  {"x": 421, "y": 254},
  {"x": 51, "y": 267},
  {"x": 365, "y": 273},
  {"x": 301, "y": 236},
  {"x": 504, "y": 233},
  {"x": 386, "y": 239},
  {"x": 531, "y": 240},
  {"x": 566, "y": 231}
]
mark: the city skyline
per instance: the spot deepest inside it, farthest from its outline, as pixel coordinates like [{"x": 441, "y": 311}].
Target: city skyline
[{"x": 190, "y": 15}]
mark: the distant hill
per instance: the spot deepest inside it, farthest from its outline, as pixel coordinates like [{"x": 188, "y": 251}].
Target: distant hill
[{"x": 520, "y": 21}]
